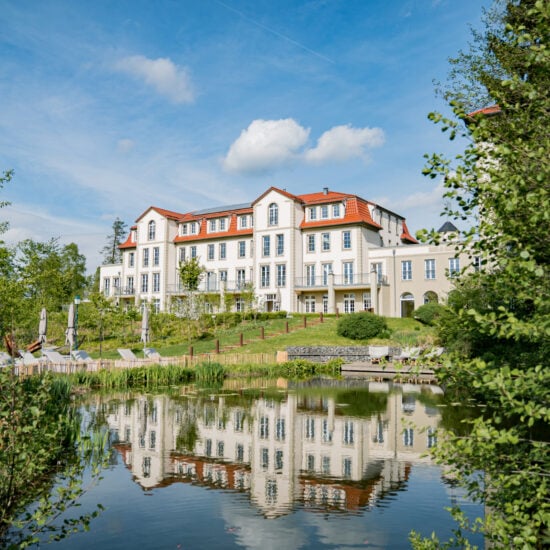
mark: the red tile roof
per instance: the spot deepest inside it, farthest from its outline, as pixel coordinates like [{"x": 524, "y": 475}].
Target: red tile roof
[
  {"x": 491, "y": 110},
  {"x": 321, "y": 198},
  {"x": 232, "y": 230},
  {"x": 163, "y": 212},
  {"x": 406, "y": 236},
  {"x": 281, "y": 191},
  {"x": 356, "y": 211},
  {"x": 129, "y": 243}
]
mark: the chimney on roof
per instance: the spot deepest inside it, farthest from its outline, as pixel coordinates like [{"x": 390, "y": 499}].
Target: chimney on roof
[{"x": 325, "y": 190}]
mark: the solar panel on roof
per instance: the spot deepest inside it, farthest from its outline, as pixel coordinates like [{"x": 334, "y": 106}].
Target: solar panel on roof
[{"x": 221, "y": 209}]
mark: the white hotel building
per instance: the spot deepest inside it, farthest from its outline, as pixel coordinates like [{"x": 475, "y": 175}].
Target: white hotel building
[{"x": 316, "y": 252}]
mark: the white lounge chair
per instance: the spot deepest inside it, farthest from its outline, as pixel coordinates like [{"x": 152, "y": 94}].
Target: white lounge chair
[
  {"x": 153, "y": 354},
  {"x": 83, "y": 358},
  {"x": 376, "y": 353},
  {"x": 56, "y": 361},
  {"x": 127, "y": 354}
]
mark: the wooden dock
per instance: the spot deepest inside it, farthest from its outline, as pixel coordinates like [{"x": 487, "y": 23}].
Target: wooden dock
[{"x": 389, "y": 371}]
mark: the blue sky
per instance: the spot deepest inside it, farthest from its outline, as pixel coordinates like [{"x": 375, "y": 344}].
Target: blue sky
[{"x": 109, "y": 107}]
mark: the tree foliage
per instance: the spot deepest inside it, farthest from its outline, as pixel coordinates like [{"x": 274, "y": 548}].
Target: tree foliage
[
  {"x": 111, "y": 251},
  {"x": 191, "y": 273},
  {"x": 500, "y": 321}
]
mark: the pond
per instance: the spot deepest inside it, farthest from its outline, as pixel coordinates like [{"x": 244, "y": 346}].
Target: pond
[{"x": 319, "y": 464}]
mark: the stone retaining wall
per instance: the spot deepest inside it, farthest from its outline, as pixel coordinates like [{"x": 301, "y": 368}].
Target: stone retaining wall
[{"x": 323, "y": 354}]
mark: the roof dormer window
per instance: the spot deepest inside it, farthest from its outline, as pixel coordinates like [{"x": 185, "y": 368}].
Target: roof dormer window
[{"x": 336, "y": 210}]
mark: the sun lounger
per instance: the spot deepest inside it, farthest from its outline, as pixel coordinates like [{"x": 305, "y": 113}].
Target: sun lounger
[
  {"x": 153, "y": 354},
  {"x": 127, "y": 354},
  {"x": 56, "y": 361},
  {"x": 83, "y": 358},
  {"x": 377, "y": 353}
]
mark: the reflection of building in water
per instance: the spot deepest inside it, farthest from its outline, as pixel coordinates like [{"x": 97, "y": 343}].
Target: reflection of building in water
[{"x": 300, "y": 449}]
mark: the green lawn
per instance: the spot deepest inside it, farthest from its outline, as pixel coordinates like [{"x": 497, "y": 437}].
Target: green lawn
[{"x": 403, "y": 332}]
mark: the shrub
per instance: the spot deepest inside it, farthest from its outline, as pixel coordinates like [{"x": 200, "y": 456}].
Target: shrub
[
  {"x": 361, "y": 326},
  {"x": 429, "y": 313}
]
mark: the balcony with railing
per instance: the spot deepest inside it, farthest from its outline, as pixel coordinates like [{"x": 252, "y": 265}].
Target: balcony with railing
[
  {"x": 341, "y": 281},
  {"x": 211, "y": 286}
]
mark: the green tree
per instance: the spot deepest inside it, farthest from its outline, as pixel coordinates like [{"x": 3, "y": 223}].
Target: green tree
[
  {"x": 191, "y": 273},
  {"x": 111, "y": 251},
  {"x": 501, "y": 317}
]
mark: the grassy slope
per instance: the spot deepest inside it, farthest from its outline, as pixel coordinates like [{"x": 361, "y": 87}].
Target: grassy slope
[{"x": 404, "y": 332}]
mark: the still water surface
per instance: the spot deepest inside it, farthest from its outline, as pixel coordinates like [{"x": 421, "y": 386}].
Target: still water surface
[{"x": 328, "y": 464}]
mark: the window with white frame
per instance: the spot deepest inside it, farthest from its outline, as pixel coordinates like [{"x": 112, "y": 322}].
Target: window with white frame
[
  {"x": 156, "y": 282},
  {"x": 327, "y": 270},
  {"x": 310, "y": 462},
  {"x": 280, "y": 244},
  {"x": 325, "y": 303},
  {"x": 155, "y": 304},
  {"x": 280, "y": 429},
  {"x": 309, "y": 302},
  {"x": 239, "y": 304},
  {"x": 193, "y": 228},
  {"x": 349, "y": 302},
  {"x": 367, "y": 302},
  {"x": 454, "y": 267},
  {"x": 310, "y": 427},
  {"x": 326, "y": 432},
  {"x": 266, "y": 245},
  {"x": 346, "y": 467},
  {"x": 151, "y": 230},
  {"x": 336, "y": 210},
  {"x": 325, "y": 240},
  {"x": 408, "y": 437},
  {"x": 193, "y": 252},
  {"x": 182, "y": 254},
  {"x": 377, "y": 266},
  {"x": 107, "y": 286},
  {"x": 222, "y": 224},
  {"x": 264, "y": 427},
  {"x": 242, "y": 249},
  {"x": 264, "y": 276},
  {"x": 145, "y": 259},
  {"x": 264, "y": 454},
  {"x": 131, "y": 259},
  {"x": 281, "y": 275},
  {"x": 279, "y": 459},
  {"x": 273, "y": 214},
  {"x": 212, "y": 226},
  {"x": 429, "y": 269},
  {"x": 130, "y": 285},
  {"x": 346, "y": 240},
  {"x": 324, "y": 211},
  {"x": 183, "y": 229},
  {"x": 223, "y": 251},
  {"x": 311, "y": 243},
  {"x": 156, "y": 255},
  {"x": 144, "y": 282},
  {"x": 241, "y": 278},
  {"x": 325, "y": 465},
  {"x": 348, "y": 272},
  {"x": 210, "y": 252},
  {"x": 223, "y": 275},
  {"x": 431, "y": 437},
  {"x": 348, "y": 435},
  {"x": 313, "y": 213},
  {"x": 406, "y": 270},
  {"x": 310, "y": 275},
  {"x": 243, "y": 222}
]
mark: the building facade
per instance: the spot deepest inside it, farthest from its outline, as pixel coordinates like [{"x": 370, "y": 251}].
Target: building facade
[{"x": 318, "y": 252}]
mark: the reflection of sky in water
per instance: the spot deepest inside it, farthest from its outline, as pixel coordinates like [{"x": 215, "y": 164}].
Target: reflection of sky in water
[{"x": 179, "y": 513}]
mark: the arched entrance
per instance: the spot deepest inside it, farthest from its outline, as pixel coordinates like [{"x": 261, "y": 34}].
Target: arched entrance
[
  {"x": 430, "y": 296},
  {"x": 407, "y": 304}
]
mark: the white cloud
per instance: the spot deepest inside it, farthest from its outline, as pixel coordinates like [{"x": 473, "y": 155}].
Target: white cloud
[
  {"x": 344, "y": 142},
  {"x": 266, "y": 144},
  {"x": 166, "y": 77}
]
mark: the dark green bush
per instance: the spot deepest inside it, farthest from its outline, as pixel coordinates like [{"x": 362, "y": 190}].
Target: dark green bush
[
  {"x": 361, "y": 326},
  {"x": 429, "y": 313}
]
